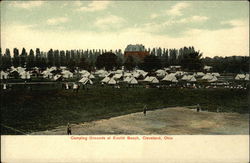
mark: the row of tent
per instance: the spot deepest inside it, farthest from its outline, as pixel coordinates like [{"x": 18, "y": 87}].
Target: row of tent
[
  {"x": 242, "y": 77},
  {"x": 23, "y": 75},
  {"x": 118, "y": 74}
]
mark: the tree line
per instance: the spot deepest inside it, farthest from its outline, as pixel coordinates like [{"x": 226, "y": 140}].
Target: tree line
[{"x": 187, "y": 57}]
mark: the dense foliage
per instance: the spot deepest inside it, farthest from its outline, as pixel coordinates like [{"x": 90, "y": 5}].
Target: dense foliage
[{"x": 187, "y": 57}]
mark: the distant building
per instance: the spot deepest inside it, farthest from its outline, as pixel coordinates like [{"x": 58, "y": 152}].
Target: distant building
[{"x": 136, "y": 50}]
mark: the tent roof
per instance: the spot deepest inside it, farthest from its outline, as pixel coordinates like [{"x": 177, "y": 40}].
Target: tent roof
[
  {"x": 112, "y": 81},
  {"x": 169, "y": 77},
  {"x": 85, "y": 80},
  {"x": 133, "y": 81},
  {"x": 106, "y": 79},
  {"x": 117, "y": 76}
]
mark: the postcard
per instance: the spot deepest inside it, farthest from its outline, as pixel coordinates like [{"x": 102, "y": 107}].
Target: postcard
[{"x": 124, "y": 81}]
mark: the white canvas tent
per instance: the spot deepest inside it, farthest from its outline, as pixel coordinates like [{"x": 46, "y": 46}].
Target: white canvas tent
[
  {"x": 56, "y": 77},
  {"x": 85, "y": 81},
  {"x": 118, "y": 72},
  {"x": 47, "y": 74},
  {"x": 117, "y": 76},
  {"x": 133, "y": 81},
  {"x": 112, "y": 81},
  {"x": 84, "y": 72},
  {"x": 180, "y": 73},
  {"x": 189, "y": 78},
  {"x": 126, "y": 74},
  {"x": 160, "y": 73},
  {"x": 192, "y": 79},
  {"x": 147, "y": 79},
  {"x": 105, "y": 80},
  {"x": 214, "y": 79},
  {"x": 127, "y": 79},
  {"x": 25, "y": 75},
  {"x": 208, "y": 76},
  {"x": 141, "y": 72},
  {"x": 240, "y": 77},
  {"x": 167, "y": 69},
  {"x": 88, "y": 75},
  {"x": 247, "y": 77},
  {"x": 20, "y": 69},
  {"x": 91, "y": 76},
  {"x": 216, "y": 74},
  {"x": 170, "y": 78},
  {"x": 63, "y": 67},
  {"x": 101, "y": 73},
  {"x": 67, "y": 74},
  {"x": 154, "y": 80},
  {"x": 151, "y": 79},
  {"x": 174, "y": 80},
  {"x": 3, "y": 75},
  {"x": 135, "y": 74},
  {"x": 185, "y": 77},
  {"x": 51, "y": 69},
  {"x": 199, "y": 74}
]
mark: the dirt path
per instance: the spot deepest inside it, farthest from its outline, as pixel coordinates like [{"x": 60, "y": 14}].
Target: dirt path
[{"x": 169, "y": 121}]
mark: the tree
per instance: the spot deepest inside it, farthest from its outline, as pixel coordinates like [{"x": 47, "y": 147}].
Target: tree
[
  {"x": 92, "y": 59},
  {"x": 72, "y": 54},
  {"x": 107, "y": 60},
  {"x": 68, "y": 57},
  {"x": 6, "y": 60},
  {"x": 1, "y": 59},
  {"x": 151, "y": 63},
  {"x": 16, "y": 59},
  {"x": 57, "y": 58},
  {"x": 83, "y": 63},
  {"x": 72, "y": 65},
  {"x": 120, "y": 60},
  {"x": 192, "y": 61},
  {"x": 51, "y": 60},
  {"x": 77, "y": 57},
  {"x": 130, "y": 62},
  {"x": 23, "y": 58},
  {"x": 38, "y": 58},
  {"x": 159, "y": 52},
  {"x": 232, "y": 64},
  {"x": 31, "y": 60},
  {"x": 62, "y": 58},
  {"x": 165, "y": 58},
  {"x": 172, "y": 56},
  {"x": 43, "y": 64}
]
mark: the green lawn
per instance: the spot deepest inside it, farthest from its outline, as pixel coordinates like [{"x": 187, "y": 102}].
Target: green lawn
[{"x": 48, "y": 106}]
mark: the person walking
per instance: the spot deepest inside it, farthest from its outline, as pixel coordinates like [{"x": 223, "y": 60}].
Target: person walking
[
  {"x": 69, "y": 129},
  {"x": 145, "y": 110},
  {"x": 198, "y": 108}
]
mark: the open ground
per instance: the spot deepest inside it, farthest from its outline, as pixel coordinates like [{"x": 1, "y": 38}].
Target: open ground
[
  {"x": 46, "y": 107},
  {"x": 170, "y": 121}
]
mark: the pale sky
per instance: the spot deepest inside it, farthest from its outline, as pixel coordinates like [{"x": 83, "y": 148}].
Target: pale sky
[{"x": 216, "y": 28}]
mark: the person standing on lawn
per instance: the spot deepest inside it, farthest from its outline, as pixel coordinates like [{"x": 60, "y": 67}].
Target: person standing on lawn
[
  {"x": 198, "y": 107},
  {"x": 69, "y": 129},
  {"x": 145, "y": 110}
]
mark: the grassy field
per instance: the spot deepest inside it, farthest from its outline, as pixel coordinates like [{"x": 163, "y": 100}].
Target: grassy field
[{"x": 49, "y": 106}]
